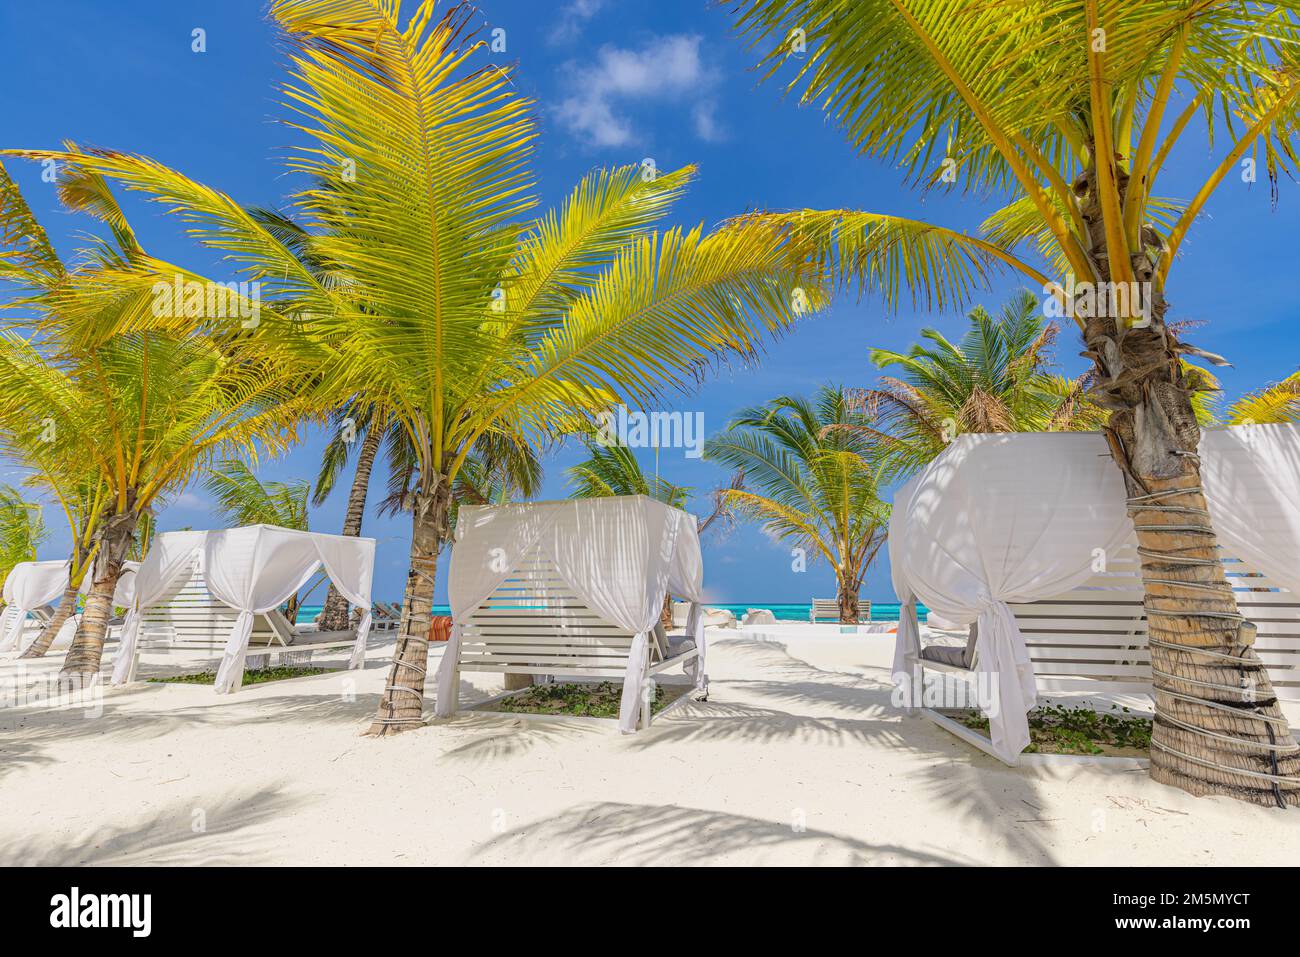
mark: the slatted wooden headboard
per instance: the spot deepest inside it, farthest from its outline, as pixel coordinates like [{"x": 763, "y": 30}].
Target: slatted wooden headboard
[
  {"x": 189, "y": 617},
  {"x": 534, "y": 624},
  {"x": 1098, "y": 632}
]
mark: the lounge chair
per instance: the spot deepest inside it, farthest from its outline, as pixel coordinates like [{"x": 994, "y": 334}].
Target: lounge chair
[{"x": 828, "y": 609}]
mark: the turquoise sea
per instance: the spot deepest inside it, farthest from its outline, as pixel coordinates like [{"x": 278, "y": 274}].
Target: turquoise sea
[{"x": 880, "y": 611}]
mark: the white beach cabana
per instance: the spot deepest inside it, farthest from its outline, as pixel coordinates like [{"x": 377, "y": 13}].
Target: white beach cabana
[
  {"x": 573, "y": 589},
  {"x": 252, "y": 570},
  {"x": 1027, "y": 537},
  {"x": 34, "y": 588}
]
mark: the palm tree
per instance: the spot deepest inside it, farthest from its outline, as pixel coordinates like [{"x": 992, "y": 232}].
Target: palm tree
[
  {"x": 994, "y": 380},
  {"x": 116, "y": 426},
  {"x": 150, "y": 412},
  {"x": 82, "y": 498},
  {"x": 811, "y": 468},
  {"x": 22, "y": 529},
  {"x": 1068, "y": 111},
  {"x": 456, "y": 314}
]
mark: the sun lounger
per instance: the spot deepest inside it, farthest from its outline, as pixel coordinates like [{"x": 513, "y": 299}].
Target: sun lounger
[{"x": 828, "y": 609}]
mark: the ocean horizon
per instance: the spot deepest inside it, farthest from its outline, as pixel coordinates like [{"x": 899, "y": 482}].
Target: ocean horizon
[{"x": 790, "y": 611}]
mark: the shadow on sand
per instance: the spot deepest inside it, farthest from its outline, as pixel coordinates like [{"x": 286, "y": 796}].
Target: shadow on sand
[{"x": 643, "y": 834}]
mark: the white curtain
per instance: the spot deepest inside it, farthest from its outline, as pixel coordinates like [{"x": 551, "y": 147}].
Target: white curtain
[
  {"x": 620, "y": 555},
  {"x": 489, "y": 544},
  {"x": 171, "y": 555},
  {"x": 907, "y": 644},
  {"x": 34, "y": 585},
  {"x": 29, "y": 586},
  {"x": 252, "y": 569},
  {"x": 1251, "y": 475},
  {"x": 1007, "y": 518}
]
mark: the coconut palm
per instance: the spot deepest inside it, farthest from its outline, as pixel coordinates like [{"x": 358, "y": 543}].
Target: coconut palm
[
  {"x": 115, "y": 427},
  {"x": 1069, "y": 111},
  {"x": 349, "y": 424},
  {"x": 994, "y": 379},
  {"x": 810, "y": 477},
  {"x": 22, "y": 529},
  {"x": 150, "y": 412},
  {"x": 458, "y": 313},
  {"x": 30, "y": 264}
]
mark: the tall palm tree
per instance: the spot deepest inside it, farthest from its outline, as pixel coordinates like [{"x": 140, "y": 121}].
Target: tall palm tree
[
  {"x": 150, "y": 412},
  {"x": 459, "y": 315},
  {"x": 995, "y": 379},
  {"x": 810, "y": 477},
  {"x": 22, "y": 529},
  {"x": 119, "y": 424},
  {"x": 1069, "y": 110}
]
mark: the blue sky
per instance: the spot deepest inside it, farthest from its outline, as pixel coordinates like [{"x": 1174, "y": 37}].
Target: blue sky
[{"x": 615, "y": 83}]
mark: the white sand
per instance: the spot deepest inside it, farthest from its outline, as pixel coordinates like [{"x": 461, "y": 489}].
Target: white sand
[{"x": 797, "y": 758}]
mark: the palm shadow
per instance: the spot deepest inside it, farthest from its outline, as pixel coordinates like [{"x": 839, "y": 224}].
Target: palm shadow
[
  {"x": 610, "y": 832},
  {"x": 193, "y": 832}
]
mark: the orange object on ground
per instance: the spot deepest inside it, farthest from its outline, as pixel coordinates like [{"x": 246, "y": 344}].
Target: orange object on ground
[{"x": 440, "y": 628}]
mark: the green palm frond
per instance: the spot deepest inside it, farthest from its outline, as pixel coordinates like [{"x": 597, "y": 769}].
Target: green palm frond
[
  {"x": 614, "y": 470},
  {"x": 22, "y": 529},
  {"x": 1279, "y": 402},
  {"x": 244, "y": 499},
  {"x": 1017, "y": 100},
  {"x": 26, "y": 255}
]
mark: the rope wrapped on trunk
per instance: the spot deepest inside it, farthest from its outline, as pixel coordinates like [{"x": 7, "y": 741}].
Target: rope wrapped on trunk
[{"x": 1152, "y": 502}]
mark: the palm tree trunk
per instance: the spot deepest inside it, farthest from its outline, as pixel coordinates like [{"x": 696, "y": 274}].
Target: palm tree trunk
[
  {"x": 67, "y": 605},
  {"x": 1218, "y": 728},
  {"x": 334, "y": 616},
  {"x": 402, "y": 706},
  {"x": 83, "y": 660},
  {"x": 847, "y": 594}
]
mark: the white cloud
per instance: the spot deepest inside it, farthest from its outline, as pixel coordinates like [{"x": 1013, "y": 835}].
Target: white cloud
[
  {"x": 667, "y": 70},
  {"x": 192, "y": 501},
  {"x": 573, "y": 17}
]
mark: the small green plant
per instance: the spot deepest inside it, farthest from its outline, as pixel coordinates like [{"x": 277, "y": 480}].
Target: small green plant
[
  {"x": 580, "y": 700},
  {"x": 1054, "y": 729},
  {"x": 256, "y": 676}
]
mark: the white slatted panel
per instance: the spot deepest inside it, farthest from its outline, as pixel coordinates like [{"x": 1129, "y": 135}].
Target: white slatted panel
[
  {"x": 1098, "y": 630},
  {"x": 535, "y": 624},
  {"x": 189, "y": 617}
]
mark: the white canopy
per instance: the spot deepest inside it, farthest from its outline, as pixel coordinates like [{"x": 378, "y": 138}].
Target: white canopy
[
  {"x": 620, "y": 555},
  {"x": 253, "y": 570},
  {"x": 1020, "y": 518},
  {"x": 31, "y": 586}
]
